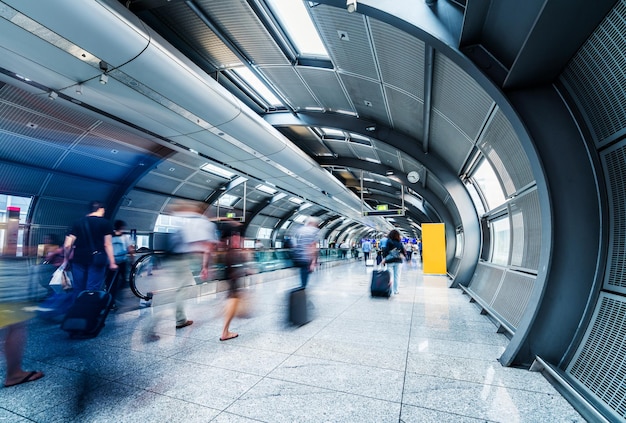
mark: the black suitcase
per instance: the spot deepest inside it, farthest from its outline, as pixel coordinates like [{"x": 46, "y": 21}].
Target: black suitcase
[
  {"x": 298, "y": 311},
  {"x": 85, "y": 318},
  {"x": 381, "y": 286}
]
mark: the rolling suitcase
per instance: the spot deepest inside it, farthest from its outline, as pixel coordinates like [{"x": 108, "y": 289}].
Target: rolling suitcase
[
  {"x": 381, "y": 284},
  {"x": 85, "y": 318},
  {"x": 298, "y": 312}
]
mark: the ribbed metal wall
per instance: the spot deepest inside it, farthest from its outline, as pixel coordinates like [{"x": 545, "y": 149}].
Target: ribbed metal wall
[
  {"x": 596, "y": 80},
  {"x": 600, "y": 366},
  {"x": 486, "y": 281},
  {"x": 596, "y": 76},
  {"x": 502, "y": 147},
  {"x": 614, "y": 163},
  {"x": 512, "y": 297}
]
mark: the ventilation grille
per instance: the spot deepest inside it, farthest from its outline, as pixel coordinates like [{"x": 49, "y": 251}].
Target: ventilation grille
[
  {"x": 291, "y": 85},
  {"x": 448, "y": 141},
  {"x": 239, "y": 23},
  {"x": 596, "y": 76},
  {"x": 526, "y": 220},
  {"x": 459, "y": 97},
  {"x": 504, "y": 151},
  {"x": 599, "y": 364},
  {"x": 400, "y": 58},
  {"x": 352, "y": 54},
  {"x": 512, "y": 298},
  {"x": 614, "y": 162},
  {"x": 486, "y": 281}
]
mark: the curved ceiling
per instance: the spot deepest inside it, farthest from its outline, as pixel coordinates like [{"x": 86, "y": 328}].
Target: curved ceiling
[{"x": 398, "y": 86}]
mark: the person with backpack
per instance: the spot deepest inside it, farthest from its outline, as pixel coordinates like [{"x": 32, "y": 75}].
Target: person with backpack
[
  {"x": 392, "y": 251},
  {"x": 123, "y": 251}
]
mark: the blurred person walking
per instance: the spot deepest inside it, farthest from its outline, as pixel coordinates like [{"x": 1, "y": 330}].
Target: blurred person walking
[
  {"x": 90, "y": 238},
  {"x": 15, "y": 301},
  {"x": 305, "y": 250},
  {"x": 124, "y": 252},
  {"x": 230, "y": 237},
  {"x": 195, "y": 238},
  {"x": 391, "y": 253}
]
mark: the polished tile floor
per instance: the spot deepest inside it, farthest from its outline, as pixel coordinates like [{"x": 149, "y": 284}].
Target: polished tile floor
[{"x": 425, "y": 355}]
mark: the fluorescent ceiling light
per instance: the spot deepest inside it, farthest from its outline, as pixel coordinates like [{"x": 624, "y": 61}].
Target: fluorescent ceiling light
[
  {"x": 305, "y": 206},
  {"x": 266, "y": 189},
  {"x": 279, "y": 196},
  {"x": 300, "y": 218},
  {"x": 226, "y": 200},
  {"x": 217, "y": 171},
  {"x": 297, "y": 24},
  {"x": 296, "y": 200},
  {"x": 332, "y": 133},
  {"x": 256, "y": 84}
]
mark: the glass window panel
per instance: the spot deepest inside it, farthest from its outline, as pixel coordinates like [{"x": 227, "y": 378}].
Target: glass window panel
[
  {"x": 296, "y": 22},
  {"x": 264, "y": 233},
  {"x": 258, "y": 86},
  {"x": 500, "y": 235},
  {"x": 478, "y": 202},
  {"x": 488, "y": 184}
]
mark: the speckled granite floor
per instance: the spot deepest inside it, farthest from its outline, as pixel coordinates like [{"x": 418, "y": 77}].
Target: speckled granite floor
[{"x": 425, "y": 355}]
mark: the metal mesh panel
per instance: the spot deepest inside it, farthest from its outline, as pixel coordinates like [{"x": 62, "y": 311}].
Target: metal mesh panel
[
  {"x": 454, "y": 266},
  {"x": 504, "y": 151},
  {"x": 526, "y": 220},
  {"x": 406, "y": 113},
  {"x": 400, "y": 58},
  {"x": 28, "y": 151},
  {"x": 54, "y": 212},
  {"x": 599, "y": 364},
  {"x": 325, "y": 84},
  {"x": 614, "y": 162},
  {"x": 512, "y": 297},
  {"x": 367, "y": 97},
  {"x": 448, "y": 141},
  {"x": 239, "y": 23},
  {"x": 14, "y": 180},
  {"x": 459, "y": 97},
  {"x": 197, "y": 34},
  {"x": 135, "y": 219},
  {"x": 352, "y": 53},
  {"x": 291, "y": 86},
  {"x": 486, "y": 281},
  {"x": 140, "y": 200},
  {"x": 596, "y": 76}
]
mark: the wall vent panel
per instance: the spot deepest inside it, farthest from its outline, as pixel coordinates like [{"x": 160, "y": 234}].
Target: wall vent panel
[
  {"x": 526, "y": 219},
  {"x": 486, "y": 281},
  {"x": 614, "y": 163},
  {"x": 513, "y": 296},
  {"x": 599, "y": 365}
]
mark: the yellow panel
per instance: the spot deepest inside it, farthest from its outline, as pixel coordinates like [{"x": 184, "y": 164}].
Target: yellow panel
[{"x": 434, "y": 248}]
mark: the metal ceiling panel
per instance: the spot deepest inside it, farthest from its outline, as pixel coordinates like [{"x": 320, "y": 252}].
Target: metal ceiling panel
[
  {"x": 140, "y": 220},
  {"x": 190, "y": 28},
  {"x": 347, "y": 40},
  {"x": 107, "y": 149},
  {"x": 306, "y": 140},
  {"x": 367, "y": 97},
  {"x": 174, "y": 170},
  {"x": 388, "y": 159},
  {"x": 146, "y": 201},
  {"x": 448, "y": 141},
  {"x": 289, "y": 84},
  {"x": 138, "y": 141},
  {"x": 193, "y": 192},
  {"x": 17, "y": 180},
  {"x": 407, "y": 113},
  {"x": 364, "y": 152},
  {"x": 57, "y": 212},
  {"x": 80, "y": 164},
  {"x": 28, "y": 151},
  {"x": 43, "y": 105},
  {"x": 69, "y": 187},
  {"x": 239, "y": 23},
  {"x": 35, "y": 125},
  {"x": 326, "y": 87},
  {"x": 459, "y": 97},
  {"x": 400, "y": 58},
  {"x": 340, "y": 148},
  {"x": 158, "y": 184},
  {"x": 437, "y": 188}
]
